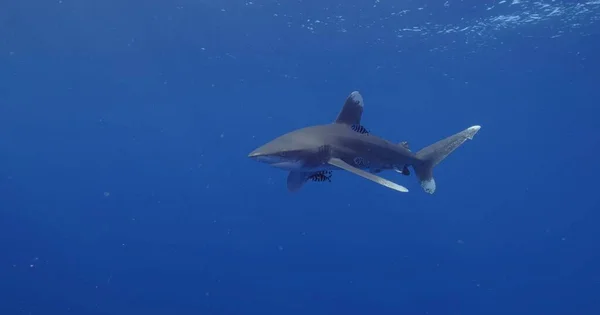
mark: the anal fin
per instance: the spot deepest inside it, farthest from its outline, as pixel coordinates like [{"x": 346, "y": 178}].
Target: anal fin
[
  {"x": 372, "y": 177},
  {"x": 404, "y": 171}
]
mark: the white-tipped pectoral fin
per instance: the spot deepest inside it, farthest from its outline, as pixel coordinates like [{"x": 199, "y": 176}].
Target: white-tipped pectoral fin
[
  {"x": 379, "y": 180},
  {"x": 471, "y": 131}
]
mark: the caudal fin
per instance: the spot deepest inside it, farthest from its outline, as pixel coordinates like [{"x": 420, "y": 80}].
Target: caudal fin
[{"x": 430, "y": 156}]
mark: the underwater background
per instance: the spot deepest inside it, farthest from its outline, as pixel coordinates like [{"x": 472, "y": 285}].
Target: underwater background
[{"x": 125, "y": 186}]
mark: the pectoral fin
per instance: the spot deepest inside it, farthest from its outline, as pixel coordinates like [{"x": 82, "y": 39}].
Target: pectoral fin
[
  {"x": 296, "y": 180},
  {"x": 379, "y": 180}
]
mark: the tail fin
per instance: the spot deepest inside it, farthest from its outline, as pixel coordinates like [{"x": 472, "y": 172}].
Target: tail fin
[{"x": 430, "y": 156}]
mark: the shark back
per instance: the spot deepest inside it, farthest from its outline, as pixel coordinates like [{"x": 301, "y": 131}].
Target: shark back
[{"x": 363, "y": 150}]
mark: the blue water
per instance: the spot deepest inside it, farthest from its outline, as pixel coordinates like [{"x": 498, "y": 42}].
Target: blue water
[{"x": 125, "y": 186}]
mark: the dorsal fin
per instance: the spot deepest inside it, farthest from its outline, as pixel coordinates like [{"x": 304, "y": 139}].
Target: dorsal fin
[{"x": 352, "y": 111}]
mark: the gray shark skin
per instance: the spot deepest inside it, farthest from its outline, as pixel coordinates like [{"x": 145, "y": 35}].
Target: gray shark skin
[{"x": 308, "y": 152}]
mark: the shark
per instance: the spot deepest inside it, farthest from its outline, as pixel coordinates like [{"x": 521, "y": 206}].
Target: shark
[{"x": 312, "y": 153}]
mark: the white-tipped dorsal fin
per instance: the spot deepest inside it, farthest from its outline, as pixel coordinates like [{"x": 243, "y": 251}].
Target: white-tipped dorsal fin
[
  {"x": 352, "y": 110},
  {"x": 379, "y": 180}
]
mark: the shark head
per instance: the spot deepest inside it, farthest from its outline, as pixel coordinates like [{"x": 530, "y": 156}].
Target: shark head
[
  {"x": 287, "y": 160},
  {"x": 290, "y": 152}
]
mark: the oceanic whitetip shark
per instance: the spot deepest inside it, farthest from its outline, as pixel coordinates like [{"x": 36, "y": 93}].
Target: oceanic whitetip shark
[{"x": 313, "y": 152}]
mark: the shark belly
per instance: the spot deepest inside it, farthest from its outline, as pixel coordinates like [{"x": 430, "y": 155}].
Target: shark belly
[
  {"x": 366, "y": 161},
  {"x": 304, "y": 167}
]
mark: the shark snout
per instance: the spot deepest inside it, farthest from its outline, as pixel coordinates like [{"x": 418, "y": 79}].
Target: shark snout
[
  {"x": 254, "y": 154},
  {"x": 263, "y": 158},
  {"x": 259, "y": 156}
]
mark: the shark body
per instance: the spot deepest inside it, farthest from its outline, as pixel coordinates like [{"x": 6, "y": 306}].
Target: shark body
[{"x": 313, "y": 152}]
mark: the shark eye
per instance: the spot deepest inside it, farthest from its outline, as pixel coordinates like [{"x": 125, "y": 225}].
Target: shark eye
[{"x": 282, "y": 153}]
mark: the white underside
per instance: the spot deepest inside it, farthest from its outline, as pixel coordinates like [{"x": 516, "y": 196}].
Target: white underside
[
  {"x": 288, "y": 166},
  {"x": 300, "y": 167}
]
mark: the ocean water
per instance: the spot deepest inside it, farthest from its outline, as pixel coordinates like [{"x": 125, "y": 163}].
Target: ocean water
[{"x": 125, "y": 186}]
